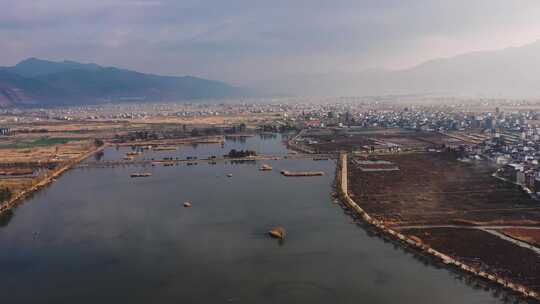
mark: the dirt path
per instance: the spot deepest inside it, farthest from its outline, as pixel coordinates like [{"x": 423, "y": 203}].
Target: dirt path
[{"x": 513, "y": 240}]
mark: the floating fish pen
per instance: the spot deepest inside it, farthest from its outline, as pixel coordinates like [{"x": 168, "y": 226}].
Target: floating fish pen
[
  {"x": 192, "y": 163},
  {"x": 320, "y": 158},
  {"x": 167, "y": 148},
  {"x": 375, "y": 165},
  {"x": 265, "y": 167},
  {"x": 143, "y": 174},
  {"x": 302, "y": 173},
  {"x": 128, "y": 157}
]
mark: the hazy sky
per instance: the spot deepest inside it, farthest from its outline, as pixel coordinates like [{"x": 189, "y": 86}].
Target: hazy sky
[{"x": 248, "y": 41}]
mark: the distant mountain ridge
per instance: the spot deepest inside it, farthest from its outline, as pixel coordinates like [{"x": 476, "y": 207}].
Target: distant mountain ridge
[
  {"x": 33, "y": 67},
  {"x": 41, "y": 82},
  {"x": 511, "y": 72}
]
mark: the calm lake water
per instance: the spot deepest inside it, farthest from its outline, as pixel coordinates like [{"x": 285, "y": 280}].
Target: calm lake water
[{"x": 99, "y": 236}]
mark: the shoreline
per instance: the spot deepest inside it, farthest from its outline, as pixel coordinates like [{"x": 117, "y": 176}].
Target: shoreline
[
  {"x": 20, "y": 196},
  {"x": 342, "y": 187}
]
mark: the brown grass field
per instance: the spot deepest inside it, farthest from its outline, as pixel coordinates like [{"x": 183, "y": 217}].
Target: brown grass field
[
  {"x": 485, "y": 251},
  {"x": 436, "y": 189},
  {"x": 526, "y": 235}
]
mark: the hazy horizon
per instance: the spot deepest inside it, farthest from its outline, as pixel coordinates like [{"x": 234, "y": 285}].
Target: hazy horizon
[
  {"x": 302, "y": 48},
  {"x": 243, "y": 42}
]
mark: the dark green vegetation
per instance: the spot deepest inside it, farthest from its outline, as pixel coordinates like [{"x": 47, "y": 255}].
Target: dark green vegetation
[
  {"x": 45, "y": 141},
  {"x": 35, "y": 81},
  {"x": 5, "y": 194},
  {"x": 241, "y": 153},
  {"x": 98, "y": 142}
]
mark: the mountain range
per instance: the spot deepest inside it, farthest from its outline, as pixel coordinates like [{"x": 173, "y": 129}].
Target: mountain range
[
  {"x": 511, "y": 72},
  {"x": 41, "y": 82}
]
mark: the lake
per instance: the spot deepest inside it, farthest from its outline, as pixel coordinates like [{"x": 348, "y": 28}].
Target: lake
[{"x": 98, "y": 236}]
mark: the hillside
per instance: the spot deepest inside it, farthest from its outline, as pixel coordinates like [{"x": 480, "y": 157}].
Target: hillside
[
  {"x": 41, "y": 82},
  {"x": 510, "y": 72}
]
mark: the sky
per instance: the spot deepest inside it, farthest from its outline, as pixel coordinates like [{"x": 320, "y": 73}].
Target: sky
[{"x": 246, "y": 42}]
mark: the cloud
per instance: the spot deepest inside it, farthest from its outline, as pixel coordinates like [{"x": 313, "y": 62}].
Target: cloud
[{"x": 245, "y": 41}]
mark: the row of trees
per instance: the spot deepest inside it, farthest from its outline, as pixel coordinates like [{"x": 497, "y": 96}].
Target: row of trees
[
  {"x": 181, "y": 132},
  {"x": 241, "y": 153}
]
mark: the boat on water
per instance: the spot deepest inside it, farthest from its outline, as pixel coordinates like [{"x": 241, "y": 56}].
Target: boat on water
[
  {"x": 229, "y": 175},
  {"x": 141, "y": 174},
  {"x": 187, "y": 204},
  {"x": 278, "y": 233},
  {"x": 265, "y": 167}
]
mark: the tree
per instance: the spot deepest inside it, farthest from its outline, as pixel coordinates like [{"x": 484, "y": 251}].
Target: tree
[
  {"x": 5, "y": 194},
  {"x": 241, "y": 153},
  {"x": 195, "y": 132},
  {"x": 98, "y": 142}
]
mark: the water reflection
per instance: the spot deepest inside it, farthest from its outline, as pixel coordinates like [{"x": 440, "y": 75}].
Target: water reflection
[
  {"x": 6, "y": 217},
  {"x": 99, "y": 155}
]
